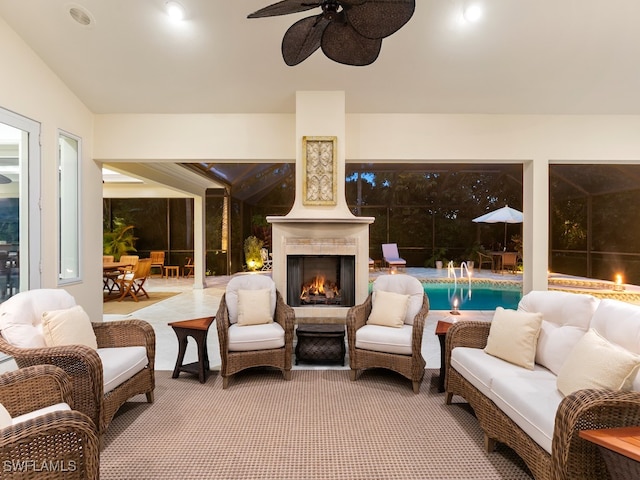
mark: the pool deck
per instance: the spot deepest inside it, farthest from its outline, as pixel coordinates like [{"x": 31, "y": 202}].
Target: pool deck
[{"x": 196, "y": 303}]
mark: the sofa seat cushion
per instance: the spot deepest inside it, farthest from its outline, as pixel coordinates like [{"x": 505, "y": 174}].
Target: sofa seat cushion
[
  {"x": 58, "y": 407},
  {"x": 531, "y": 400},
  {"x": 244, "y": 338},
  {"x": 479, "y": 368},
  {"x": 385, "y": 339},
  {"x": 119, "y": 364}
]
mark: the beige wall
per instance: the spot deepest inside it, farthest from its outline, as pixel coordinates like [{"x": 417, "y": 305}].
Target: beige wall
[{"x": 28, "y": 87}]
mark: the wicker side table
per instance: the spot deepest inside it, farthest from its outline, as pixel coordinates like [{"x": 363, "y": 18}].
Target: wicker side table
[{"x": 320, "y": 343}]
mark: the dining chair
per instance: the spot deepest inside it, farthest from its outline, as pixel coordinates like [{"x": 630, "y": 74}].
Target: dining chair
[
  {"x": 157, "y": 261},
  {"x": 132, "y": 283},
  {"x": 187, "y": 270}
]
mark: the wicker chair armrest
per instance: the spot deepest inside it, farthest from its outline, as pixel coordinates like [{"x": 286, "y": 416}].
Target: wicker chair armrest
[
  {"x": 585, "y": 410},
  {"x": 67, "y": 439},
  {"x": 357, "y": 315},
  {"x": 419, "y": 321},
  {"x": 31, "y": 388},
  {"x": 223, "y": 323},
  {"x": 124, "y": 333},
  {"x": 285, "y": 315},
  {"x": 465, "y": 334},
  {"x": 127, "y": 333},
  {"x": 468, "y": 334}
]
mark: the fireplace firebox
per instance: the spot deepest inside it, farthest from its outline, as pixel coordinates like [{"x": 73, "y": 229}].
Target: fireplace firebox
[{"x": 321, "y": 280}]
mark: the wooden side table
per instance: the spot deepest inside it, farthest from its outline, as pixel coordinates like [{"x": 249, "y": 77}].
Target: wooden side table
[
  {"x": 173, "y": 270},
  {"x": 441, "y": 331},
  {"x": 197, "y": 329},
  {"x": 620, "y": 449}
]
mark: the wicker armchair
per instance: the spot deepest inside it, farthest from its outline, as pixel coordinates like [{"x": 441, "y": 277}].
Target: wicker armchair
[
  {"x": 65, "y": 439},
  {"x": 362, "y": 354},
  {"x": 83, "y": 364},
  {"x": 271, "y": 344}
]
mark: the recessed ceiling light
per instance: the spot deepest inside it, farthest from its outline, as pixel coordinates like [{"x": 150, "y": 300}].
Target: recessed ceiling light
[
  {"x": 175, "y": 10},
  {"x": 472, "y": 13}
]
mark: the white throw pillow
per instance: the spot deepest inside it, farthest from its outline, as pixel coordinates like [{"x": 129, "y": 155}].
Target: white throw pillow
[
  {"x": 555, "y": 344},
  {"x": 513, "y": 336},
  {"x": 596, "y": 363},
  {"x": 254, "y": 307},
  {"x": 5, "y": 417},
  {"x": 388, "y": 309},
  {"x": 70, "y": 326}
]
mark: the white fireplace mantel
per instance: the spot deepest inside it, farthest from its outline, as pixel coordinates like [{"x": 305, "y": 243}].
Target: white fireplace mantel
[{"x": 337, "y": 236}]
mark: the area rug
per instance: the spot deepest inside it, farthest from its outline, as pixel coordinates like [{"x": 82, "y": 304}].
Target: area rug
[
  {"x": 319, "y": 425},
  {"x": 129, "y": 305}
]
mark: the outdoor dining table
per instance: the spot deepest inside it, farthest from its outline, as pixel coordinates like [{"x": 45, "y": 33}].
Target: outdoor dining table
[
  {"x": 498, "y": 258},
  {"x": 109, "y": 270}
]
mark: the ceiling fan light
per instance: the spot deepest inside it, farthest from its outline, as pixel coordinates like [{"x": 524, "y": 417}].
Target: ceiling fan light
[
  {"x": 175, "y": 10},
  {"x": 472, "y": 13}
]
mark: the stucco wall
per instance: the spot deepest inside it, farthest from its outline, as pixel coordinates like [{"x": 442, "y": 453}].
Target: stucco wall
[{"x": 28, "y": 87}]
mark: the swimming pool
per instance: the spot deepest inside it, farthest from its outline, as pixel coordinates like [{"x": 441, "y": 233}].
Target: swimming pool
[{"x": 483, "y": 296}]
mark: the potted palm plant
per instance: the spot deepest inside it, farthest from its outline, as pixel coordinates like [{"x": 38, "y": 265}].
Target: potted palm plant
[{"x": 119, "y": 241}]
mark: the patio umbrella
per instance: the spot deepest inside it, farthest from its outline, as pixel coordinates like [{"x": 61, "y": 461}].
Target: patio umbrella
[{"x": 504, "y": 215}]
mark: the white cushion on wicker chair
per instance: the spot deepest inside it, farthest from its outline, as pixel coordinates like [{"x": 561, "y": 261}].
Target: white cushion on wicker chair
[
  {"x": 247, "y": 282},
  {"x": 255, "y": 337},
  {"x": 58, "y": 407},
  {"x": 404, "y": 285},
  {"x": 385, "y": 339},
  {"x": 21, "y": 315},
  {"x": 119, "y": 364}
]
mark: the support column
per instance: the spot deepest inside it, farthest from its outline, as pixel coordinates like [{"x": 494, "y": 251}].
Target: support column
[
  {"x": 535, "y": 241},
  {"x": 199, "y": 252}
]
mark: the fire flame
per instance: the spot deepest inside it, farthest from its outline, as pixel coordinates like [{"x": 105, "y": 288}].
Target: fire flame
[{"x": 319, "y": 286}]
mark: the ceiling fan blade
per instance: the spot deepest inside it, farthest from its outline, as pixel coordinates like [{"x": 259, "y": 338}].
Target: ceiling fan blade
[
  {"x": 285, "y": 7},
  {"x": 302, "y": 39},
  {"x": 342, "y": 44},
  {"x": 380, "y": 18}
]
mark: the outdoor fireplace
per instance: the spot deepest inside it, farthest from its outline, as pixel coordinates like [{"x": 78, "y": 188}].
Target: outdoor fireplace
[{"x": 321, "y": 280}]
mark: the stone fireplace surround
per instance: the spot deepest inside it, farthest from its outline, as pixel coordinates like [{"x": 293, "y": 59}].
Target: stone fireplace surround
[
  {"x": 300, "y": 236},
  {"x": 321, "y": 229}
]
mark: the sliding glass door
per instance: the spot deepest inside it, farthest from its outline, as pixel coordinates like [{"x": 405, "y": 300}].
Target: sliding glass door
[{"x": 19, "y": 204}]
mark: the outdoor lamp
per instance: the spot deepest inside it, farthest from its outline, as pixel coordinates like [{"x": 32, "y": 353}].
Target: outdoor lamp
[{"x": 454, "y": 306}]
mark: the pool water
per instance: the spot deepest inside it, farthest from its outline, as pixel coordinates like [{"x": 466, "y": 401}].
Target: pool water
[{"x": 481, "y": 297}]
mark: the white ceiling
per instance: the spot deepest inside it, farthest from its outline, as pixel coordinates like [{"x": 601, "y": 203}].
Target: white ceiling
[{"x": 524, "y": 56}]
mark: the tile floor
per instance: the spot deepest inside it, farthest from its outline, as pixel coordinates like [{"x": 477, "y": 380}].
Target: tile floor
[{"x": 192, "y": 303}]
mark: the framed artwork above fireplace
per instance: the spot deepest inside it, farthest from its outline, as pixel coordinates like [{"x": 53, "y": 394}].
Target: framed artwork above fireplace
[{"x": 319, "y": 170}]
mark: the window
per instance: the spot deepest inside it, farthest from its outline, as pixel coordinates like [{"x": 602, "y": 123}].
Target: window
[
  {"x": 19, "y": 199},
  {"x": 69, "y": 208}
]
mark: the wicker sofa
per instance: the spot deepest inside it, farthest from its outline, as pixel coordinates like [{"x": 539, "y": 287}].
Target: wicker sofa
[{"x": 524, "y": 408}]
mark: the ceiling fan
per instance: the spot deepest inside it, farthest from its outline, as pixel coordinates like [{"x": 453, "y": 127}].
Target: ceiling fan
[{"x": 348, "y": 31}]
